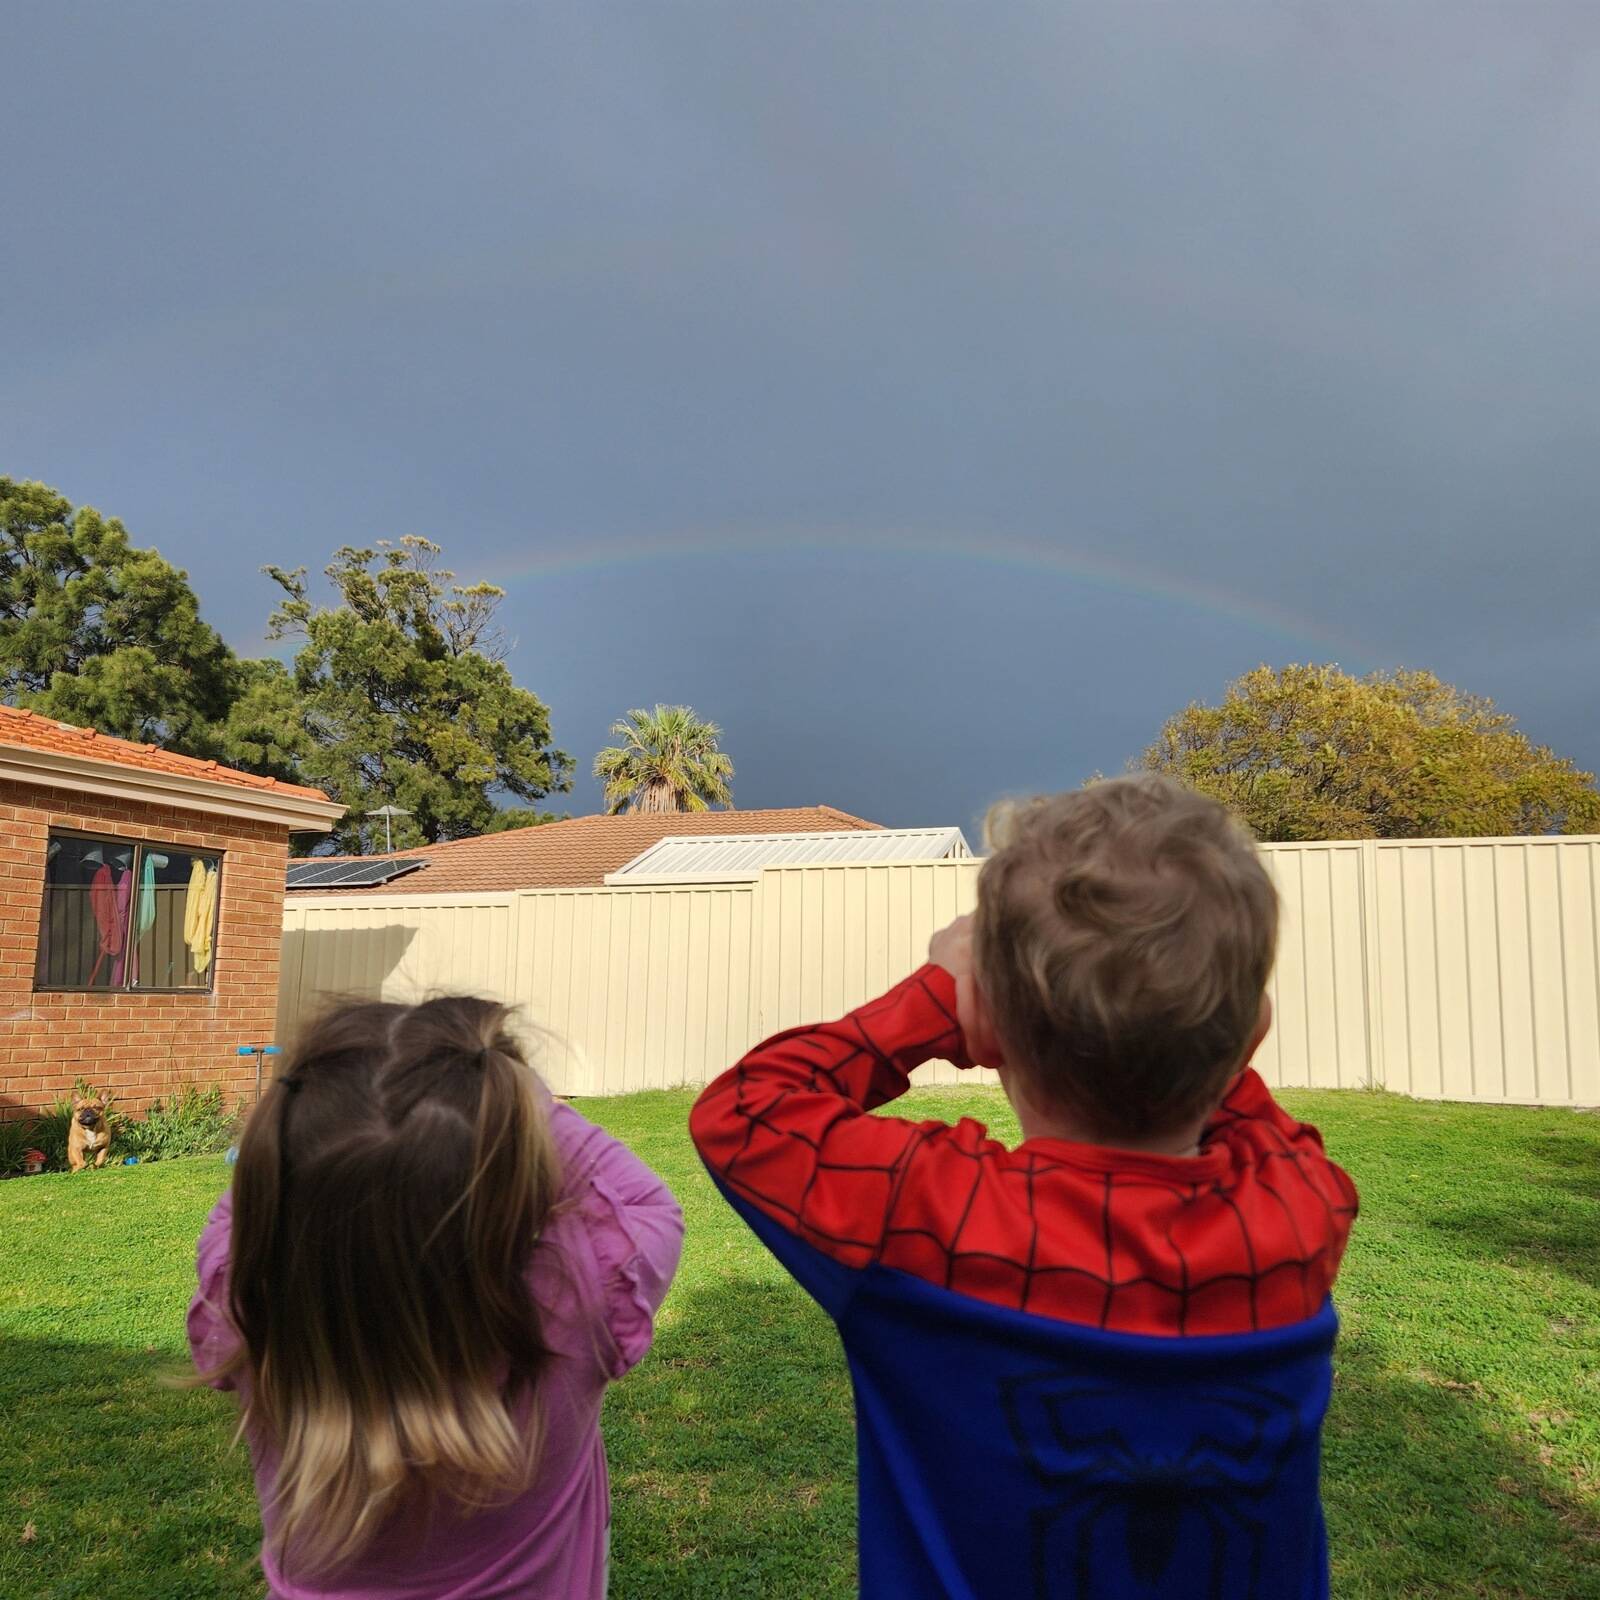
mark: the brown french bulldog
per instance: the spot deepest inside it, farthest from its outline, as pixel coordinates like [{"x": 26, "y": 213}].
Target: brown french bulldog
[{"x": 89, "y": 1135}]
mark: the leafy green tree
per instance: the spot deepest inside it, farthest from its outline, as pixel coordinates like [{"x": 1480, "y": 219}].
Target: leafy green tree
[
  {"x": 668, "y": 760},
  {"x": 1310, "y": 752},
  {"x": 510, "y": 818},
  {"x": 399, "y": 694},
  {"x": 265, "y": 732},
  {"x": 96, "y": 631}
]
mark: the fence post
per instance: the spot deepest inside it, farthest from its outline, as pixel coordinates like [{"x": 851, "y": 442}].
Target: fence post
[
  {"x": 511, "y": 974},
  {"x": 1372, "y": 962},
  {"x": 291, "y": 968},
  {"x": 756, "y": 1012}
]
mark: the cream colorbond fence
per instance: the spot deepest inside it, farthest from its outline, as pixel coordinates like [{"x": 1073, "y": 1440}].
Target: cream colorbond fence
[
  {"x": 1457, "y": 969},
  {"x": 635, "y": 988}
]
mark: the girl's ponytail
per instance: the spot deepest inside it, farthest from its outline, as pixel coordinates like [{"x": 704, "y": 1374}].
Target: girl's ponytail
[{"x": 388, "y": 1199}]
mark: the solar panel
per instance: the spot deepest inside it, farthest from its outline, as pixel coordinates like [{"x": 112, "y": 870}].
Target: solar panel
[
  {"x": 303, "y": 874},
  {"x": 369, "y": 874},
  {"x": 350, "y": 874},
  {"x": 344, "y": 875}
]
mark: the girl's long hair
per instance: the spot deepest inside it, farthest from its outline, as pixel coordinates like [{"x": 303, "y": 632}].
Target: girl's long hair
[{"x": 388, "y": 1199}]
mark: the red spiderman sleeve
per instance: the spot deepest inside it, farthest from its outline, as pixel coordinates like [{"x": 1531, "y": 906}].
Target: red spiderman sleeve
[
  {"x": 1248, "y": 1234},
  {"x": 788, "y": 1129}
]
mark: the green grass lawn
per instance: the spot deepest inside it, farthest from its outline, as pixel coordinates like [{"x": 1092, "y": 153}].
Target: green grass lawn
[{"x": 1463, "y": 1452}]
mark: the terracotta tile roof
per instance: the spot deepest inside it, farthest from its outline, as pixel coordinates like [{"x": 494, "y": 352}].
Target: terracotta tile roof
[
  {"x": 580, "y": 852},
  {"x": 27, "y": 730}
]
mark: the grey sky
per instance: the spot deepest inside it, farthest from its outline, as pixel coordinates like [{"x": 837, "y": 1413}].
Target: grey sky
[{"x": 731, "y": 337}]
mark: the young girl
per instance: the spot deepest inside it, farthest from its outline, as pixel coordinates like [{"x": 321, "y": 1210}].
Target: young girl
[{"x": 426, "y": 1274}]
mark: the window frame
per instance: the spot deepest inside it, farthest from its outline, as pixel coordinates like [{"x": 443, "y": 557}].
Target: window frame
[{"x": 138, "y": 847}]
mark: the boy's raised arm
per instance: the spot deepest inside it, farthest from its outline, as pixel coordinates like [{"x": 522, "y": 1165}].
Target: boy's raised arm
[{"x": 787, "y": 1130}]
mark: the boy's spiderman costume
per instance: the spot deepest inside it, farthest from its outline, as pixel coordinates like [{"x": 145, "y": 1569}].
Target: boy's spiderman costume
[{"x": 1079, "y": 1372}]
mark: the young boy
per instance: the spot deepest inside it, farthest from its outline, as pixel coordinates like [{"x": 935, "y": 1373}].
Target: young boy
[{"x": 1096, "y": 1365}]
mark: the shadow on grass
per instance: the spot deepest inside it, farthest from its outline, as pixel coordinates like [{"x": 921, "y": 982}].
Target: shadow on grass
[
  {"x": 732, "y": 1452},
  {"x": 732, "y": 1458},
  {"x": 114, "y": 1484},
  {"x": 731, "y": 1476},
  {"x": 733, "y": 1471},
  {"x": 1432, "y": 1489},
  {"x": 1557, "y": 1229}
]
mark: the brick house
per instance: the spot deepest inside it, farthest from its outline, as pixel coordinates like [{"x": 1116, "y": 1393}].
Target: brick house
[{"x": 141, "y": 912}]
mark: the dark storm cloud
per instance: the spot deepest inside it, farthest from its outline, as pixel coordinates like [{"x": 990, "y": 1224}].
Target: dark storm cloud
[{"x": 1297, "y": 304}]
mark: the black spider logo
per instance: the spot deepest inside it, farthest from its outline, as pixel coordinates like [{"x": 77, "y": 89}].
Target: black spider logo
[{"x": 1133, "y": 1472}]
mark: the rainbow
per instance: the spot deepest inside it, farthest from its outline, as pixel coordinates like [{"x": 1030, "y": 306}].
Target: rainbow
[{"x": 512, "y": 572}]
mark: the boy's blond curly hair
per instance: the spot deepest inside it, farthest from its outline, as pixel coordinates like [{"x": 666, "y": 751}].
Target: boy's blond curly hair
[{"x": 1123, "y": 939}]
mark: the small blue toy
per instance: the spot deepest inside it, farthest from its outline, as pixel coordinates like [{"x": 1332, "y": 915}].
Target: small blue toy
[
  {"x": 130, "y": 1161},
  {"x": 231, "y": 1154}
]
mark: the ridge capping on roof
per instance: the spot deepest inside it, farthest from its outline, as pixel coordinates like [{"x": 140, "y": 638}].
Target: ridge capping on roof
[{"x": 742, "y": 857}]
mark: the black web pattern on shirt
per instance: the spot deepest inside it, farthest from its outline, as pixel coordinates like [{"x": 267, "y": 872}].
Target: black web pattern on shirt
[{"x": 1093, "y": 1251}]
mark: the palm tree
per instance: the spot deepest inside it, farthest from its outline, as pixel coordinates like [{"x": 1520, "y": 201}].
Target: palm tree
[{"x": 668, "y": 761}]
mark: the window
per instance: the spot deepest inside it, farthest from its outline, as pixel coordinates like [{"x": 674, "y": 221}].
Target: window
[{"x": 127, "y": 916}]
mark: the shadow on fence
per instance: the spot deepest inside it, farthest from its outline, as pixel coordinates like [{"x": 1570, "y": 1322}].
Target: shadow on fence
[{"x": 320, "y": 966}]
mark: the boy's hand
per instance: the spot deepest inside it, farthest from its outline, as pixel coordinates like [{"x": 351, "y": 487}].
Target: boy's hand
[{"x": 951, "y": 948}]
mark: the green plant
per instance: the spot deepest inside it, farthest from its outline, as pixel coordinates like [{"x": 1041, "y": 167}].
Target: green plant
[
  {"x": 193, "y": 1121},
  {"x": 16, "y": 1139},
  {"x": 50, "y": 1135}
]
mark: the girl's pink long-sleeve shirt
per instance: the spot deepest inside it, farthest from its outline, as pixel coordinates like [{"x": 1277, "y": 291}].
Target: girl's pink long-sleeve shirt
[{"x": 602, "y": 1269}]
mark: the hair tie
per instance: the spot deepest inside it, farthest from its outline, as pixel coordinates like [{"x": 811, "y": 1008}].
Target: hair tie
[{"x": 291, "y": 1081}]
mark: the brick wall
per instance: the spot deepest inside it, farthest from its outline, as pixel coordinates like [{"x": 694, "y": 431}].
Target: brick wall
[{"x": 138, "y": 1045}]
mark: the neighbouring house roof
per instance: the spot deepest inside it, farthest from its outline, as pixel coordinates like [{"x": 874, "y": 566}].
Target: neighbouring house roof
[
  {"x": 740, "y": 858},
  {"x": 580, "y": 852},
  {"x": 39, "y": 750}
]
